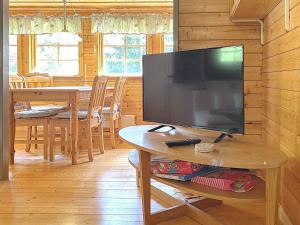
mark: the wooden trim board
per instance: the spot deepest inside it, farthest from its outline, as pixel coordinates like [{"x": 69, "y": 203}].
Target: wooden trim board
[{"x": 4, "y": 169}]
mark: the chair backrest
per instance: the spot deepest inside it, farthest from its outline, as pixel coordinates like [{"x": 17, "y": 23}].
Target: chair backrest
[
  {"x": 97, "y": 97},
  {"x": 17, "y": 82},
  {"x": 118, "y": 93},
  {"x": 39, "y": 80}
]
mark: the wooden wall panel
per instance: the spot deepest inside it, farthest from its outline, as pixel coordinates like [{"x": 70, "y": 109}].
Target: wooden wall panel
[
  {"x": 281, "y": 99},
  {"x": 206, "y": 23}
]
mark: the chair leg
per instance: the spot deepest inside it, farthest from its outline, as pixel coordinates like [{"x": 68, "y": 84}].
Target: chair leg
[
  {"x": 89, "y": 137},
  {"x": 112, "y": 133},
  {"x": 101, "y": 138},
  {"x": 68, "y": 140},
  {"x": 28, "y": 138},
  {"x": 46, "y": 141},
  {"x": 138, "y": 176},
  {"x": 35, "y": 136},
  {"x": 63, "y": 139},
  {"x": 52, "y": 141},
  {"x": 119, "y": 128}
]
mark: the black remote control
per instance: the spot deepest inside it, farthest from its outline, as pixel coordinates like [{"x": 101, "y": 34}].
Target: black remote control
[{"x": 183, "y": 142}]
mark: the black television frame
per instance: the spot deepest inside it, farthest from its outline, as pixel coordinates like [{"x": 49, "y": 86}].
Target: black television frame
[{"x": 233, "y": 131}]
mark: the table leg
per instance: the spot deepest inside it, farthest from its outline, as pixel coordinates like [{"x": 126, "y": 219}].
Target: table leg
[
  {"x": 145, "y": 185},
  {"x": 272, "y": 195},
  {"x": 74, "y": 128},
  {"x": 12, "y": 129}
]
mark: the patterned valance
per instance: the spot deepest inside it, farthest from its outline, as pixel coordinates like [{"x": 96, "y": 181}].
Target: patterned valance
[
  {"x": 43, "y": 24},
  {"x": 132, "y": 23}
]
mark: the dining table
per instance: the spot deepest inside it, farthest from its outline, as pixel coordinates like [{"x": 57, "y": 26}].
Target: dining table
[{"x": 70, "y": 95}]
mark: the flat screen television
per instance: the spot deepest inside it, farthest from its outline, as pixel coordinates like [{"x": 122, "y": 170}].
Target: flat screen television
[{"x": 198, "y": 88}]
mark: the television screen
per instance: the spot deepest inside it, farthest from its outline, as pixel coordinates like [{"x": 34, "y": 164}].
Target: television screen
[{"x": 199, "y": 88}]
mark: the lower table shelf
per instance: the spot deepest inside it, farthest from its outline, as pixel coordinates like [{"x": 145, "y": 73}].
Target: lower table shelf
[{"x": 257, "y": 194}]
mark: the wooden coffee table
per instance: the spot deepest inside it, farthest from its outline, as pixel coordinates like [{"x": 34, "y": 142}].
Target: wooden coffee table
[{"x": 235, "y": 153}]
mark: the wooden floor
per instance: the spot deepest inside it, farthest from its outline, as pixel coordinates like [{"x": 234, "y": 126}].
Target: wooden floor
[{"x": 102, "y": 192}]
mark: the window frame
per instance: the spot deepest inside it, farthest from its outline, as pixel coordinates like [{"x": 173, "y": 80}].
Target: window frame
[
  {"x": 58, "y": 46},
  {"x": 125, "y": 46}
]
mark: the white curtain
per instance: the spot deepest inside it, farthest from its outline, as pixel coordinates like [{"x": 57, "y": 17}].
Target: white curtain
[
  {"x": 132, "y": 23},
  {"x": 43, "y": 24}
]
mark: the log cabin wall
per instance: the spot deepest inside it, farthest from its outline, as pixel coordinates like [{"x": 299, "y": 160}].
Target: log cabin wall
[
  {"x": 281, "y": 114},
  {"x": 206, "y": 23}
]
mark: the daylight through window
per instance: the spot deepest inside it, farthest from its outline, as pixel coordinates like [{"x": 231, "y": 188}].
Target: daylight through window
[
  {"x": 57, "y": 54},
  {"x": 13, "y": 54},
  {"x": 122, "y": 54}
]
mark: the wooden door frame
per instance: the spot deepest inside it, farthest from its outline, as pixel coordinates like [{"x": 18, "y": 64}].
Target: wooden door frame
[
  {"x": 176, "y": 25},
  {"x": 4, "y": 165}
]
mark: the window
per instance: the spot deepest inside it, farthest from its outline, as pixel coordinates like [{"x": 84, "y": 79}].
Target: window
[
  {"x": 57, "y": 54},
  {"x": 13, "y": 54},
  {"x": 168, "y": 42},
  {"x": 122, "y": 54}
]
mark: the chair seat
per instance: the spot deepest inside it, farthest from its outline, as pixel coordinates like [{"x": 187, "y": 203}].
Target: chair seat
[
  {"x": 48, "y": 107},
  {"x": 82, "y": 114},
  {"x": 20, "y": 106},
  {"x": 27, "y": 114},
  {"x": 106, "y": 110}
]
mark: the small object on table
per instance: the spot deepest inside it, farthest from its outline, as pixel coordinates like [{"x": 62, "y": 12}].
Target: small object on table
[
  {"x": 165, "y": 166},
  {"x": 228, "y": 180},
  {"x": 183, "y": 142},
  {"x": 204, "y": 147}
]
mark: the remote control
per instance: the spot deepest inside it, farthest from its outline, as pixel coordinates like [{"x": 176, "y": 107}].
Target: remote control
[{"x": 183, "y": 142}]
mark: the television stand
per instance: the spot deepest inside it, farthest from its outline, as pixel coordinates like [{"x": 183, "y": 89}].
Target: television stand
[
  {"x": 161, "y": 126},
  {"x": 222, "y": 136},
  {"x": 240, "y": 153}
]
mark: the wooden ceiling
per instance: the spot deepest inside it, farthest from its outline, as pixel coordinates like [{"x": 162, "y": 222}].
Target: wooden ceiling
[{"x": 88, "y": 6}]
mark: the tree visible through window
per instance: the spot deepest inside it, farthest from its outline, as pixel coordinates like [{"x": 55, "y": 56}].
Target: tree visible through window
[
  {"x": 168, "y": 42},
  {"x": 57, "y": 54},
  {"x": 13, "y": 54},
  {"x": 122, "y": 54}
]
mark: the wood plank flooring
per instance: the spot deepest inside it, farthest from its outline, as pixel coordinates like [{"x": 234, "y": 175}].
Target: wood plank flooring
[{"x": 103, "y": 192}]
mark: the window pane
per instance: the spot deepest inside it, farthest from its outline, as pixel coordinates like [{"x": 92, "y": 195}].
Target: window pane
[
  {"x": 67, "y": 38},
  {"x": 135, "y": 53},
  {"x": 46, "y": 39},
  {"x": 12, "y": 67},
  {"x": 113, "y": 39},
  {"x": 114, "y": 67},
  {"x": 46, "y": 53},
  {"x": 68, "y": 68},
  {"x": 68, "y": 53},
  {"x": 168, "y": 42},
  {"x": 13, "y": 52},
  {"x": 113, "y": 52},
  {"x": 168, "y": 39},
  {"x": 168, "y": 49},
  {"x": 134, "y": 68},
  {"x": 13, "y": 39},
  {"x": 135, "y": 39},
  {"x": 50, "y": 67}
]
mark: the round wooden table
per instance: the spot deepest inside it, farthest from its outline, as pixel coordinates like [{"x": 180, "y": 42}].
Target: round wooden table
[{"x": 234, "y": 153}]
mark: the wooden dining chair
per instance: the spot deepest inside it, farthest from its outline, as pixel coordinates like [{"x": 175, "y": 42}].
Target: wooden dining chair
[
  {"x": 28, "y": 117},
  {"x": 112, "y": 113},
  {"x": 36, "y": 80},
  {"x": 87, "y": 119},
  {"x": 39, "y": 80}
]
